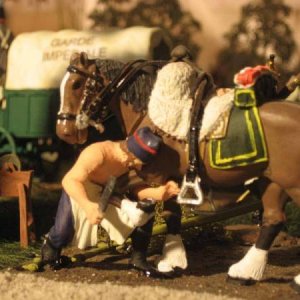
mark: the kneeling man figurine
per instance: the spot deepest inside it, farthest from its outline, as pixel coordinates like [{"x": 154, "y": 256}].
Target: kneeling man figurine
[{"x": 79, "y": 212}]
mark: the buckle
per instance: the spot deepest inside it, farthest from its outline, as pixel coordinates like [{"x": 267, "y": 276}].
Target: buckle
[{"x": 190, "y": 192}]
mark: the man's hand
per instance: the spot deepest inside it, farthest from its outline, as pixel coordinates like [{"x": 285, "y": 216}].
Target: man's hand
[
  {"x": 93, "y": 213},
  {"x": 170, "y": 189}
]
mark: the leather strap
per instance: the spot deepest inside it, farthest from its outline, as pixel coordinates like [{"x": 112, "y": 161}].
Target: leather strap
[{"x": 195, "y": 164}]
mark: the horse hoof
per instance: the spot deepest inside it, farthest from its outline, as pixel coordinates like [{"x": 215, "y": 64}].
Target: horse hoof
[
  {"x": 295, "y": 286},
  {"x": 175, "y": 273},
  {"x": 240, "y": 281}
]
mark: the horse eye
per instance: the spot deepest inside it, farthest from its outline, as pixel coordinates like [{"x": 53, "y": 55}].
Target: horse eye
[{"x": 76, "y": 84}]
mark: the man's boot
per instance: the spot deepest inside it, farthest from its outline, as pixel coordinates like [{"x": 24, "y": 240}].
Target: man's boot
[
  {"x": 140, "y": 242},
  {"x": 52, "y": 256}
]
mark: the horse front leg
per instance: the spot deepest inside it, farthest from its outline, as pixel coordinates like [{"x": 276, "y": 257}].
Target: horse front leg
[
  {"x": 173, "y": 254},
  {"x": 252, "y": 266}
]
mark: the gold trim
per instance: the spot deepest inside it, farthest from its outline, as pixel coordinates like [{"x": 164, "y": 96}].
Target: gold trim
[{"x": 219, "y": 160}]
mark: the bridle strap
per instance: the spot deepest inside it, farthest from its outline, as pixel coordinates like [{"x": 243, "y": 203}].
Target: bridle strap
[
  {"x": 66, "y": 116},
  {"x": 116, "y": 85},
  {"x": 73, "y": 69}
]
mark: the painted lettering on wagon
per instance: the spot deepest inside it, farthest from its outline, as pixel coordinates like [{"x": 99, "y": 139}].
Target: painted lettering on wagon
[
  {"x": 65, "y": 54},
  {"x": 79, "y": 41},
  {"x": 62, "y": 48}
]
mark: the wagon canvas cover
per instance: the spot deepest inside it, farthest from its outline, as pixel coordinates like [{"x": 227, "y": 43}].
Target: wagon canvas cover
[{"x": 38, "y": 60}]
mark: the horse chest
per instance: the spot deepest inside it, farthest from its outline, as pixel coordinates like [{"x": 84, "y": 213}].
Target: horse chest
[{"x": 171, "y": 162}]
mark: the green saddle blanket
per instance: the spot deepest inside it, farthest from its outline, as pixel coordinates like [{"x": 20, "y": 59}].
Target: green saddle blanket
[{"x": 244, "y": 143}]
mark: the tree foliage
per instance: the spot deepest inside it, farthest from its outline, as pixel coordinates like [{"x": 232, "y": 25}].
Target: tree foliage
[
  {"x": 261, "y": 31},
  {"x": 165, "y": 14}
]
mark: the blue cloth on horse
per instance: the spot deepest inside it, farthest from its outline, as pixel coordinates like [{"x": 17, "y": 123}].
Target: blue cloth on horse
[{"x": 62, "y": 232}]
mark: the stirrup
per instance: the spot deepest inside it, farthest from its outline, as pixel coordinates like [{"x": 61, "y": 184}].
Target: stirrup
[{"x": 194, "y": 188}]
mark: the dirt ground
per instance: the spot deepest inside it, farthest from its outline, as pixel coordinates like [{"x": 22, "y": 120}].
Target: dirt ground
[
  {"x": 209, "y": 254},
  {"x": 209, "y": 260}
]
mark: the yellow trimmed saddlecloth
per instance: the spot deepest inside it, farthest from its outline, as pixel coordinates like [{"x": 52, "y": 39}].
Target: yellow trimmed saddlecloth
[{"x": 244, "y": 143}]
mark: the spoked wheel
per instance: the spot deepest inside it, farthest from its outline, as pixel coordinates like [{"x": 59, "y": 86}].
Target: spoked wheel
[
  {"x": 7, "y": 143},
  {"x": 10, "y": 158}
]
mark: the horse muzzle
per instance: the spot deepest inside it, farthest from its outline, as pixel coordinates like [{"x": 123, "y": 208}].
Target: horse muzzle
[{"x": 68, "y": 132}]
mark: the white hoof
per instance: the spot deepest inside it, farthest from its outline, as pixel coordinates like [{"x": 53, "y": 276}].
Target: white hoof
[
  {"x": 296, "y": 283},
  {"x": 173, "y": 255},
  {"x": 297, "y": 279},
  {"x": 251, "y": 266},
  {"x": 136, "y": 215}
]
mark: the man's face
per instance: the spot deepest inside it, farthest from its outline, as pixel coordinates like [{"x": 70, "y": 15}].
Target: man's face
[{"x": 138, "y": 164}]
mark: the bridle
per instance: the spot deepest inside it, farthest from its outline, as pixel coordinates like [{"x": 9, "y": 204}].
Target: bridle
[
  {"x": 93, "y": 84},
  {"x": 94, "y": 105}
]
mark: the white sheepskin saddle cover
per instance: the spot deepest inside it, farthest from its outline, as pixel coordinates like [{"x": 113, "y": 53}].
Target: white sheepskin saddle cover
[{"x": 171, "y": 103}]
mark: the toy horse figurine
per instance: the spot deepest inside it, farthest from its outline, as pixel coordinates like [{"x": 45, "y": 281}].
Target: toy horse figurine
[{"x": 279, "y": 175}]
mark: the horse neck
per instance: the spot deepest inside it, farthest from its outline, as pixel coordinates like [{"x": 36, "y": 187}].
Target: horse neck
[
  {"x": 134, "y": 100},
  {"x": 126, "y": 116}
]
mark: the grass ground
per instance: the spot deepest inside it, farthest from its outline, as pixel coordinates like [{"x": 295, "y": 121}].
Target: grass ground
[{"x": 12, "y": 255}]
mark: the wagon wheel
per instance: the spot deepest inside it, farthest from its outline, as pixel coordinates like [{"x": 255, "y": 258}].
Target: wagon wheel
[
  {"x": 10, "y": 158},
  {"x": 7, "y": 143}
]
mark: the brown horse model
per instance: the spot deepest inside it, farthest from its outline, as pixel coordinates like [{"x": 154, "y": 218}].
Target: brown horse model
[{"x": 82, "y": 88}]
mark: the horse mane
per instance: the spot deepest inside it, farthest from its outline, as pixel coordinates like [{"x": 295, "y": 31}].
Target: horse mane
[{"x": 139, "y": 88}]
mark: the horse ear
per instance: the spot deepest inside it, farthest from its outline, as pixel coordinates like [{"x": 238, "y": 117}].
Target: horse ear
[
  {"x": 74, "y": 57},
  {"x": 84, "y": 58}
]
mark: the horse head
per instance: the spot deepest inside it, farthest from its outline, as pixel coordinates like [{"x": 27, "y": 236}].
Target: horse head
[
  {"x": 72, "y": 121},
  {"x": 94, "y": 90}
]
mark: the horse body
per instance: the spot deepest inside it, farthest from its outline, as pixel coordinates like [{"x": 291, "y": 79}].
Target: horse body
[
  {"x": 282, "y": 128},
  {"x": 279, "y": 178},
  {"x": 279, "y": 127}
]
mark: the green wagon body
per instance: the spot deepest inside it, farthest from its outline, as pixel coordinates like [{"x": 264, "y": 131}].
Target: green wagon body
[{"x": 30, "y": 113}]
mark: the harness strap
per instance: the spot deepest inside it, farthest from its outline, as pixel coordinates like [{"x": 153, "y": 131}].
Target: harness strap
[
  {"x": 66, "y": 116},
  {"x": 127, "y": 73},
  {"x": 191, "y": 192},
  {"x": 195, "y": 164}
]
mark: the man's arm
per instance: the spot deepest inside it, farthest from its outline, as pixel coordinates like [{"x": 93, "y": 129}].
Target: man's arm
[
  {"x": 73, "y": 182},
  {"x": 160, "y": 193}
]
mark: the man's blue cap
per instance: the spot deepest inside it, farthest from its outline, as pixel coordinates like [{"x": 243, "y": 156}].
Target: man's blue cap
[{"x": 144, "y": 144}]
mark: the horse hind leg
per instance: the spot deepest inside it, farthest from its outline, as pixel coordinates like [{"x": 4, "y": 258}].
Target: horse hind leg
[
  {"x": 294, "y": 193},
  {"x": 252, "y": 266},
  {"x": 296, "y": 283}
]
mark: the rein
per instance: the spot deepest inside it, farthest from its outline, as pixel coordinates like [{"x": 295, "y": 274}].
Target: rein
[
  {"x": 126, "y": 74},
  {"x": 94, "y": 106},
  {"x": 96, "y": 110}
]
